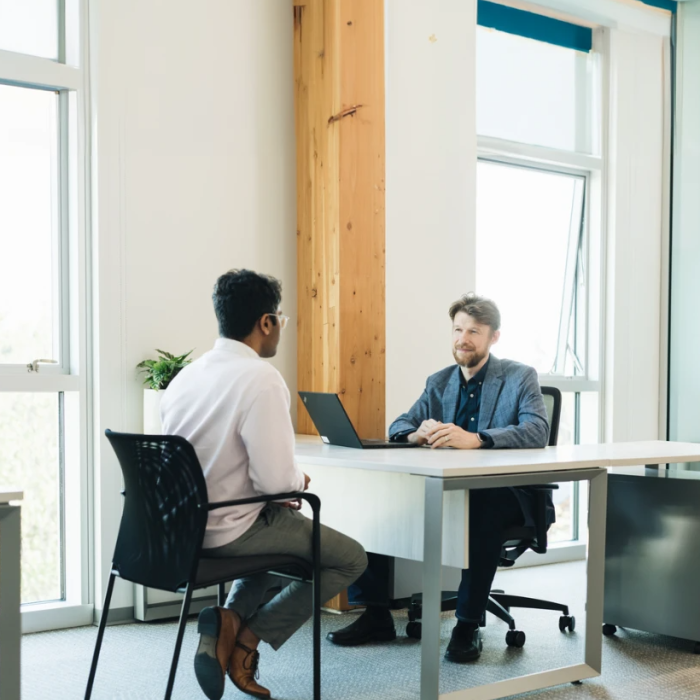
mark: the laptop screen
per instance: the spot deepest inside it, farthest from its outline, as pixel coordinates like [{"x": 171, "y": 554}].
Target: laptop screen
[{"x": 330, "y": 419}]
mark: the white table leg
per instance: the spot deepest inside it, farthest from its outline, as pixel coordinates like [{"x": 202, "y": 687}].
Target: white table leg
[
  {"x": 430, "y": 660},
  {"x": 10, "y": 622},
  {"x": 597, "y": 514}
]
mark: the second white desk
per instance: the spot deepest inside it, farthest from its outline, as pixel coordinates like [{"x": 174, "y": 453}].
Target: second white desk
[{"x": 413, "y": 503}]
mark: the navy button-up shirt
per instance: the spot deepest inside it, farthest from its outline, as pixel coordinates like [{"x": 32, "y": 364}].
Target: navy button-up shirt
[{"x": 469, "y": 403}]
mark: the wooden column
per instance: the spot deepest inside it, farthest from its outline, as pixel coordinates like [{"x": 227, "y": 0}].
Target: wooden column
[{"x": 339, "y": 110}]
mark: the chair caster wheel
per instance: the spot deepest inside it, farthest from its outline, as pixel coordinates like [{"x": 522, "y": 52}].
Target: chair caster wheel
[
  {"x": 696, "y": 648},
  {"x": 576, "y": 682},
  {"x": 609, "y": 630},
  {"x": 515, "y": 638},
  {"x": 567, "y": 622},
  {"x": 414, "y": 630}
]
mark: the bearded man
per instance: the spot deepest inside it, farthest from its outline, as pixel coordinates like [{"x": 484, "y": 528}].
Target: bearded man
[{"x": 479, "y": 403}]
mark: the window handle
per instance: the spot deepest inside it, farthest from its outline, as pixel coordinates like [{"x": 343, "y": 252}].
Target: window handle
[{"x": 34, "y": 366}]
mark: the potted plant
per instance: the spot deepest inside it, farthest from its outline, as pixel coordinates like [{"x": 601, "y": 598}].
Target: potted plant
[{"x": 158, "y": 375}]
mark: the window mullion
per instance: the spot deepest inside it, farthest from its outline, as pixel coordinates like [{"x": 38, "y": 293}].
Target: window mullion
[
  {"x": 552, "y": 159},
  {"x": 39, "y": 382},
  {"x": 575, "y": 232},
  {"x": 61, "y": 17},
  {"x": 40, "y": 73},
  {"x": 62, "y": 491},
  {"x": 63, "y": 257}
]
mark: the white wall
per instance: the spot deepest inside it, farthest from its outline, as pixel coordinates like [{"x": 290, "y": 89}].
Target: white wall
[
  {"x": 431, "y": 199},
  {"x": 636, "y": 222},
  {"x": 684, "y": 385},
  {"x": 194, "y": 175},
  {"x": 430, "y": 185}
]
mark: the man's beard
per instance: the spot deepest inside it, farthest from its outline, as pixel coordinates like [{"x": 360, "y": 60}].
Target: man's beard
[{"x": 472, "y": 360}]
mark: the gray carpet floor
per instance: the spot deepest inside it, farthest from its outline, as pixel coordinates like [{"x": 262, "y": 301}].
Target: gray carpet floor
[{"x": 135, "y": 657}]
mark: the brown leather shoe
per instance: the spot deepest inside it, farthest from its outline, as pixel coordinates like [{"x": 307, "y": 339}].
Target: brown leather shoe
[
  {"x": 243, "y": 671},
  {"x": 218, "y": 629}
]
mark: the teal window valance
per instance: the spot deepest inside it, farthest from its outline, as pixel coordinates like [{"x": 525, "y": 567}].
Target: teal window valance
[{"x": 534, "y": 26}]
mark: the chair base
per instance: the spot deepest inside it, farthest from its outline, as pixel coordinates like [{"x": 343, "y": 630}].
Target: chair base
[{"x": 499, "y": 604}]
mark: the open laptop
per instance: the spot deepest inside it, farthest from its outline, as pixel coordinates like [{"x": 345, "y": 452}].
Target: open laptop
[{"x": 335, "y": 427}]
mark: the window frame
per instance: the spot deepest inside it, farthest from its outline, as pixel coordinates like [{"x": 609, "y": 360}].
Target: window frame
[
  {"x": 60, "y": 245},
  {"x": 563, "y": 162},
  {"x": 71, "y": 380},
  {"x": 591, "y": 168},
  {"x": 588, "y": 134},
  {"x": 578, "y": 238}
]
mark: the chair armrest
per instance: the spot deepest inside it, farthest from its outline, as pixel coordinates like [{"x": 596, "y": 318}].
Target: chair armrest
[{"x": 313, "y": 500}]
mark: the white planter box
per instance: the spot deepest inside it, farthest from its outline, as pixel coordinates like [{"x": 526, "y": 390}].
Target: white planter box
[{"x": 151, "y": 412}]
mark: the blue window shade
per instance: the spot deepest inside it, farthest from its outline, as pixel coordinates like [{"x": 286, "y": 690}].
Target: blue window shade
[
  {"x": 670, "y": 5},
  {"x": 534, "y": 26}
]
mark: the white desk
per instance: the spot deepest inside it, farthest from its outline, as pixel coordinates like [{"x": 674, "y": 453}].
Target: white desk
[
  {"x": 400, "y": 501},
  {"x": 10, "y": 626}
]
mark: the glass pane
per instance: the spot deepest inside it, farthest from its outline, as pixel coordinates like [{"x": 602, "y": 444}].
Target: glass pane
[
  {"x": 563, "y": 528},
  {"x": 28, "y": 225},
  {"x": 29, "y": 460},
  {"x": 525, "y": 222},
  {"x": 535, "y": 93},
  {"x": 29, "y": 26}
]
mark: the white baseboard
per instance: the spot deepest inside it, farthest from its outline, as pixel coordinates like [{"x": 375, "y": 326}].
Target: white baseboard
[{"x": 54, "y": 616}]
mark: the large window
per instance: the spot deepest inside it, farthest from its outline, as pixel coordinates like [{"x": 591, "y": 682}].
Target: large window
[
  {"x": 546, "y": 96},
  {"x": 29, "y": 173},
  {"x": 538, "y": 245},
  {"x": 532, "y": 255},
  {"x": 43, "y": 383},
  {"x": 30, "y": 27}
]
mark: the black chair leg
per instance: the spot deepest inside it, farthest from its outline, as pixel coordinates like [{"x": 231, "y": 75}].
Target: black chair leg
[
  {"x": 178, "y": 643},
  {"x": 100, "y": 634},
  {"x": 516, "y": 601},
  {"x": 222, "y": 595},
  {"x": 316, "y": 591},
  {"x": 317, "y": 638},
  {"x": 495, "y": 608}
]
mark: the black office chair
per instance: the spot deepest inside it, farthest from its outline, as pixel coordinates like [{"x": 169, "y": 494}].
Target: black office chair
[
  {"x": 159, "y": 544},
  {"x": 517, "y": 541}
]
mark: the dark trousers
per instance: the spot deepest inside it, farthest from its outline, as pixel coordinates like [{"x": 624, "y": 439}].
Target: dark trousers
[{"x": 491, "y": 512}]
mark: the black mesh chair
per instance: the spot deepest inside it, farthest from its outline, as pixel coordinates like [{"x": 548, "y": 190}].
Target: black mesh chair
[
  {"x": 517, "y": 541},
  {"x": 159, "y": 544}
]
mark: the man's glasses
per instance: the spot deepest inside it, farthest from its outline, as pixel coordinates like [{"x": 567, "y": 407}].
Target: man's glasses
[{"x": 283, "y": 319}]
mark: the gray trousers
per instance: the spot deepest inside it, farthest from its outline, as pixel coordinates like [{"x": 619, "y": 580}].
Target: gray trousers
[{"x": 280, "y": 530}]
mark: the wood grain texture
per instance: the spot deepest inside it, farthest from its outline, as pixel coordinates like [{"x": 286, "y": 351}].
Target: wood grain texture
[
  {"x": 339, "y": 110},
  {"x": 340, "y": 603}
]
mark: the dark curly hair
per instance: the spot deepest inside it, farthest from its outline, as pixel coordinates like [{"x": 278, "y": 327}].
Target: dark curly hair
[{"x": 241, "y": 297}]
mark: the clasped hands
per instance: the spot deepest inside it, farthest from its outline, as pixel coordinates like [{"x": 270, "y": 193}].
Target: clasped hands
[
  {"x": 436, "y": 434},
  {"x": 296, "y": 503}
]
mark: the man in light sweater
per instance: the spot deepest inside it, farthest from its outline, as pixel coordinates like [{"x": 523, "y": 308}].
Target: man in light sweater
[{"x": 234, "y": 409}]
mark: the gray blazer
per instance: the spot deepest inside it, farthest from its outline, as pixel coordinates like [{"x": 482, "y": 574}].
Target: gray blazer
[{"x": 512, "y": 411}]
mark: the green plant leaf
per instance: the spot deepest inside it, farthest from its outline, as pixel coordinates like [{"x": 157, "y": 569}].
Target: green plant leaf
[{"x": 160, "y": 372}]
